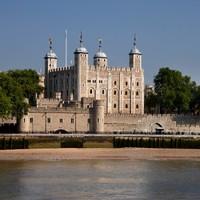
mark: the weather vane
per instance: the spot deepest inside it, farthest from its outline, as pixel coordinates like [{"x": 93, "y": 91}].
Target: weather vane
[
  {"x": 134, "y": 43},
  {"x": 100, "y": 43},
  {"x": 81, "y": 39},
  {"x": 50, "y": 43}
]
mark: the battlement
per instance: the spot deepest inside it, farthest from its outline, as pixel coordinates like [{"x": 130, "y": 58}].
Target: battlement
[
  {"x": 60, "y": 69},
  {"x": 120, "y": 68}
]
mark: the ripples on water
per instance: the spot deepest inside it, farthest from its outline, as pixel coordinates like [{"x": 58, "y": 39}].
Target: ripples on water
[{"x": 99, "y": 180}]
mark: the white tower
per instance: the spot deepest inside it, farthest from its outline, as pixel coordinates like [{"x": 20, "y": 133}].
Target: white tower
[
  {"x": 50, "y": 64},
  {"x": 81, "y": 67}
]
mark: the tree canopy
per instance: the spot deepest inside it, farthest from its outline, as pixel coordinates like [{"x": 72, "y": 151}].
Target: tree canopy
[
  {"x": 15, "y": 86},
  {"x": 174, "y": 92}
]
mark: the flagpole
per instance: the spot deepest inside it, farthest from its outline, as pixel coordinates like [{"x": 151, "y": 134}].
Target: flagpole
[{"x": 65, "y": 48}]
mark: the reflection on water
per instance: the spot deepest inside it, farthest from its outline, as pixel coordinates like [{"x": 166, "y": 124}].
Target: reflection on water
[{"x": 97, "y": 180}]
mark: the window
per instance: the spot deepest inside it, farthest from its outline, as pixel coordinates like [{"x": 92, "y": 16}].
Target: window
[
  {"x": 94, "y": 81},
  {"x": 91, "y": 91},
  {"x": 126, "y": 83},
  {"x": 115, "y": 82},
  {"x": 72, "y": 120},
  {"x": 115, "y": 105},
  {"x": 100, "y": 81},
  {"x": 126, "y": 92},
  {"x": 31, "y": 120},
  {"x": 137, "y": 106},
  {"x": 89, "y": 121},
  {"x": 115, "y": 92},
  {"x": 61, "y": 120},
  {"x": 103, "y": 92},
  {"x": 137, "y": 83},
  {"x": 126, "y": 106},
  {"x": 137, "y": 93},
  {"x": 49, "y": 120},
  {"x": 89, "y": 81}
]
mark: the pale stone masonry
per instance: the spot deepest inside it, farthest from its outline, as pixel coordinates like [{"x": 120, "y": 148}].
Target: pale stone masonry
[
  {"x": 121, "y": 88},
  {"x": 97, "y": 98}
]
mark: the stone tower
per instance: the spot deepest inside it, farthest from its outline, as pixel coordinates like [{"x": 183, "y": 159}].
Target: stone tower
[
  {"x": 99, "y": 116},
  {"x": 81, "y": 70},
  {"x": 135, "y": 57},
  {"x": 50, "y": 60},
  {"x": 135, "y": 63},
  {"x": 100, "y": 58}
]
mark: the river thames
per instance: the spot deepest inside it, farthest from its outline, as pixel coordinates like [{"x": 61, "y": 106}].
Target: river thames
[{"x": 99, "y": 179}]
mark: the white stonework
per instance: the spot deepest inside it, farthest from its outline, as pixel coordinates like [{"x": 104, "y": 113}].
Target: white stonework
[
  {"x": 98, "y": 98},
  {"x": 121, "y": 88}
]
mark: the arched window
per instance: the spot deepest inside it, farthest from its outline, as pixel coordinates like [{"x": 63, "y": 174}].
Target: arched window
[
  {"x": 115, "y": 105},
  {"x": 115, "y": 82},
  {"x": 91, "y": 91},
  {"x": 137, "y": 83},
  {"x": 115, "y": 92},
  {"x": 137, "y": 106},
  {"x": 126, "y": 106},
  {"x": 103, "y": 91},
  {"x": 126, "y": 93},
  {"x": 126, "y": 83},
  {"x": 137, "y": 93}
]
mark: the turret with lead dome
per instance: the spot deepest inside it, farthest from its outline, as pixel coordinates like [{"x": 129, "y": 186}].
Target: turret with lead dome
[{"x": 100, "y": 58}]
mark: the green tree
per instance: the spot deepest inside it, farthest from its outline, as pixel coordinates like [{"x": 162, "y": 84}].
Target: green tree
[
  {"x": 12, "y": 95},
  {"x": 5, "y": 105},
  {"x": 173, "y": 90},
  {"x": 151, "y": 103},
  {"x": 195, "y": 101},
  {"x": 28, "y": 80}
]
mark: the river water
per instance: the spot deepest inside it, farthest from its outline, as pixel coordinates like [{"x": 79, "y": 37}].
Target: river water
[{"x": 99, "y": 180}]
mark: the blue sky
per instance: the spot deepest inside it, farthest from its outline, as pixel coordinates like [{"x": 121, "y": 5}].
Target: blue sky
[{"x": 168, "y": 32}]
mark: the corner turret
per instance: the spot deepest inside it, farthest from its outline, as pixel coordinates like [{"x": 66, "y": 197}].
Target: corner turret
[
  {"x": 81, "y": 67},
  {"x": 50, "y": 63},
  {"x": 100, "y": 58},
  {"x": 135, "y": 57}
]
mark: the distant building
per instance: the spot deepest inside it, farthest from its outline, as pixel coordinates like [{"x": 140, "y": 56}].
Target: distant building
[
  {"x": 98, "y": 98},
  {"x": 121, "y": 88}
]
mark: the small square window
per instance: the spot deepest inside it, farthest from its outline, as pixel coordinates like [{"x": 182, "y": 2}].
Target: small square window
[
  {"x": 49, "y": 120},
  {"x": 31, "y": 120},
  {"x": 72, "y": 120},
  {"x": 61, "y": 120}
]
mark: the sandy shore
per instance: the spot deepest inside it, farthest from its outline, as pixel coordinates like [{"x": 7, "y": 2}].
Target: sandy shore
[{"x": 104, "y": 154}]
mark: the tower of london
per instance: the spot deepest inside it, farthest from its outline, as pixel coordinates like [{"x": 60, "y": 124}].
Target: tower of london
[{"x": 120, "y": 88}]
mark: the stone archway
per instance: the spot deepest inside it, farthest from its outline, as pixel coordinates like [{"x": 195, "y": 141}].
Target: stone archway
[
  {"x": 61, "y": 131},
  {"x": 157, "y": 127}
]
